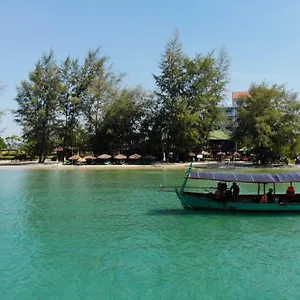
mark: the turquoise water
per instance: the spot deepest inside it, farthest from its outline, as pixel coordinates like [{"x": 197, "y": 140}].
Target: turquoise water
[{"x": 86, "y": 234}]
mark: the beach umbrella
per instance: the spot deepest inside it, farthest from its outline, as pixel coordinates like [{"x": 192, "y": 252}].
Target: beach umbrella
[
  {"x": 237, "y": 154},
  {"x": 221, "y": 153},
  {"x": 104, "y": 156},
  {"x": 120, "y": 156},
  {"x": 89, "y": 157},
  {"x": 205, "y": 153},
  {"x": 74, "y": 157},
  {"x": 81, "y": 159},
  {"x": 57, "y": 149},
  {"x": 135, "y": 156},
  {"x": 149, "y": 157}
]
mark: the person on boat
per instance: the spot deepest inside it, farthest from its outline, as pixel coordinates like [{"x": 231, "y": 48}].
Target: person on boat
[
  {"x": 235, "y": 189},
  {"x": 290, "y": 191},
  {"x": 264, "y": 199},
  {"x": 222, "y": 187},
  {"x": 270, "y": 195}
]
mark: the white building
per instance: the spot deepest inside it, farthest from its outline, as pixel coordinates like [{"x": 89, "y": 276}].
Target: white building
[{"x": 231, "y": 111}]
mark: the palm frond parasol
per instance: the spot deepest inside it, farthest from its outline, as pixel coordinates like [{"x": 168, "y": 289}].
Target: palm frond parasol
[
  {"x": 135, "y": 156},
  {"x": 81, "y": 159},
  {"x": 120, "y": 156},
  {"x": 89, "y": 157},
  {"x": 74, "y": 157},
  {"x": 104, "y": 156}
]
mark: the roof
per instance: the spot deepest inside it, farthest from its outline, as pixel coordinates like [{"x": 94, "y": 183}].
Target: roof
[
  {"x": 218, "y": 135},
  {"x": 246, "y": 177},
  {"x": 238, "y": 95}
]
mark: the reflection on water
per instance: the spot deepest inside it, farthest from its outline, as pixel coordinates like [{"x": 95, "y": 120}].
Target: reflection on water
[{"x": 111, "y": 235}]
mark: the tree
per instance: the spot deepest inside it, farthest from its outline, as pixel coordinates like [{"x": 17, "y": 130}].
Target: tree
[
  {"x": 2, "y": 144},
  {"x": 170, "y": 88},
  {"x": 123, "y": 120},
  {"x": 268, "y": 122},
  {"x": 76, "y": 82},
  {"x": 103, "y": 90},
  {"x": 37, "y": 101},
  {"x": 189, "y": 91},
  {"x": 207, "y": 77},
  {"x": 13, "y": 142}
]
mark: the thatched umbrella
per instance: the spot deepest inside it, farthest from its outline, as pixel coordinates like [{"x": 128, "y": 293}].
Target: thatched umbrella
[
  {"x": 134, "y": 156},
  {"x": 104, "y": 156},
  {"x": 74, "y": 157},
  {"x": 57, "y": 149},
  {"x": 149, "y": 157},
  {"x": 120, "y": 156},
  {"x": 205, "y": 152},
  {"x": 237, "y": 154},
  {"x": 89, "y": 157},
  {"x": 81, "y": 159}
]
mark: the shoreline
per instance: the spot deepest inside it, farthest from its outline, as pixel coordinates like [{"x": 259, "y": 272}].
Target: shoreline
[{"x": 49, "y": 165}]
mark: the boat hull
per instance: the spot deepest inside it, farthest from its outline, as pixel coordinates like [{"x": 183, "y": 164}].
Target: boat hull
[{"x": 190, "y": 201}]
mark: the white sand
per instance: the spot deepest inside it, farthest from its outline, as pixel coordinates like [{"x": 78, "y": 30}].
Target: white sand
[{"x": 49, "y": 165}]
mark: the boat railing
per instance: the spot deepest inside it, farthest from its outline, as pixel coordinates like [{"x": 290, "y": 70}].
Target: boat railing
[{"x": 194, "y": 189}]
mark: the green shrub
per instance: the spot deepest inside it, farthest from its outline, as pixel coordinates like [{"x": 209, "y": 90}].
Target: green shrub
[{"x": 6, "y": 157}]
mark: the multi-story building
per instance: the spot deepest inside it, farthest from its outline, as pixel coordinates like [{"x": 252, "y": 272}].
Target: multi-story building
[{"x": 231, "y": 111}]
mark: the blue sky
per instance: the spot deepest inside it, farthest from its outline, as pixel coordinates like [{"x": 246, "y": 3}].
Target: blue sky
[{"x": 261, "y": 37}]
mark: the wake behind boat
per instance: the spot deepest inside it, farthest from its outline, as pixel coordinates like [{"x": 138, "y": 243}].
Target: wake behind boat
[{"x": 230, "y": 199}]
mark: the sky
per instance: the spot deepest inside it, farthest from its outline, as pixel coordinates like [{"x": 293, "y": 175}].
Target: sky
[{"x": 261, "y": 37}]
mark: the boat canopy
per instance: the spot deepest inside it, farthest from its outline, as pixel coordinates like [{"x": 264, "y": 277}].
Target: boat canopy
[{"x": 246, "y": 177}]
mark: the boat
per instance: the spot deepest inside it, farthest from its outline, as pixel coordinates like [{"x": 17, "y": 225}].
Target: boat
[{"x": 224, "y": 200}]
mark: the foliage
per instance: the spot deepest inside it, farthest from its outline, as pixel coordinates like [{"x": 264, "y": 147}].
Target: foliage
[
  {"x": 37, "y": 104},
  {"x": 189, "y": 91},
  {"x": 7, "y": 157},
  {"x": 2, "y": 143},
  {"x": 123, "y": 120},
  {"x": 268, "y": 122},
  {"x": 13, "y": 142},
  {"x": 83, "y": 87}
]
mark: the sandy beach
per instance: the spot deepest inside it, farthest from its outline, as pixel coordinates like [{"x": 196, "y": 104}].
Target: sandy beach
[{"x": 50, "y": 165}]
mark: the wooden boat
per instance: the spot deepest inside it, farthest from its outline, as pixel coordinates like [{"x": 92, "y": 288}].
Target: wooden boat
[{"x": 226, "y": 201}]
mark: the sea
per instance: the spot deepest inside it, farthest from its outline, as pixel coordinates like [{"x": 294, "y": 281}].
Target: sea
[{"x": 111, "y": 234}]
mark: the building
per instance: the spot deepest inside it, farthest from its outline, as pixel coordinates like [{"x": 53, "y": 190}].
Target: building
[
  {"x": 238, "y": 95},
  {"x": 231, "y": 111}
]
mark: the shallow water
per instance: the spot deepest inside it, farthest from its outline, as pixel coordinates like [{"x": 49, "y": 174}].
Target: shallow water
[{"x": 88, "y": 234}]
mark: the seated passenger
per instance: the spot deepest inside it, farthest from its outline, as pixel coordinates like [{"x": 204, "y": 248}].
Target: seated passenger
[
  {"x": 264, "y": 199},
  {"x": 235, "y": 189},
  {"x": 222, "y": 186},
  {"x": 270, "y": 195},
  {"x": 290, "y": 192}
]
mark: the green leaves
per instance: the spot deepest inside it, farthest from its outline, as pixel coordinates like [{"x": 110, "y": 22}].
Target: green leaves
[
  {"x": 38, "y": 102},
  {"x": 188, "y": 92},
  {"x": 269, "y": 121},
  {"x": 2, "y": 144}
]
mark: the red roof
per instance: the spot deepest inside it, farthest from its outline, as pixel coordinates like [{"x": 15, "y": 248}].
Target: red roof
[{"x": 238, "y": 95}]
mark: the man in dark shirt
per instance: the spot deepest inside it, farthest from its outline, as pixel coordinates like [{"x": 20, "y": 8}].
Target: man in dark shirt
[
  {"x": 270, "y": 196},
  {"x": 235, "y": 189}
]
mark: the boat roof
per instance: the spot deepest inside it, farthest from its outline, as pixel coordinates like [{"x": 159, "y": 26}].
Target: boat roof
[{"x": 246, "y": 177}]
